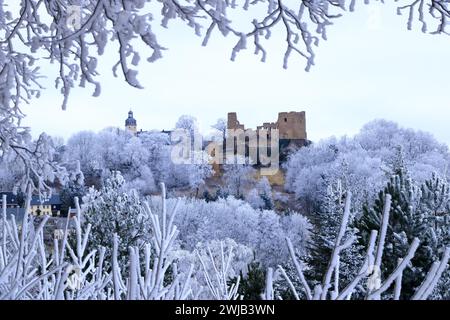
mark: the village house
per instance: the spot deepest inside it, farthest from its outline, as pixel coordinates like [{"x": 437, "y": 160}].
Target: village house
[{"x": 46, "y": 206}]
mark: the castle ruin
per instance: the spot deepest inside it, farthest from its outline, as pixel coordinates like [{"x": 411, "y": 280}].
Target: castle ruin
[
  {"x": 291, "y": 128},
  {"x": 291, "y": 125}
]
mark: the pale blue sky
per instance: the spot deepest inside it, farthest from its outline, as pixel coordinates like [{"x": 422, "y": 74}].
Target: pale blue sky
[{"x": 371, "y": 67}]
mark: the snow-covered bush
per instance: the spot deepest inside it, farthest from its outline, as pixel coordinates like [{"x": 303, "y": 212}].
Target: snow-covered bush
[
  {"x": 115, "y": 210},
  {"x": 73, "y": 188}
]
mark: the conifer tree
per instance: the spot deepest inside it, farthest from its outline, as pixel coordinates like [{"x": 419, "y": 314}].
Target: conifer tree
[
  {"x": 435, "y": 202},
  {"x": 327, "y": 223},
  {"x": 406, "y": 222},
  {"x": 251, "y": 285}
]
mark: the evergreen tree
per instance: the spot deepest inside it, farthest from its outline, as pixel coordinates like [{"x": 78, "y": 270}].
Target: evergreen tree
[
  {"x": 396, "y": 163},
  {"x": 435, "y": 202},
  {"x": 406, "y": 222},
  {"x": 327, "y": 222},
  {"x": 252, "y": 285}
]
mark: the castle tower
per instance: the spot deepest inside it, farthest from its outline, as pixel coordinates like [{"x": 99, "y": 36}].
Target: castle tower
[
  {"x": 292, "y": 125},
  {"x": 130, "y": 123},
  {"x": 233, "y": 122}
]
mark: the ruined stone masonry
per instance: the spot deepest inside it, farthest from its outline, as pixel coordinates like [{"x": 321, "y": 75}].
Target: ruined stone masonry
[
  {"x": 291, "y": 128},
  {"x": 291, "y": 125}
]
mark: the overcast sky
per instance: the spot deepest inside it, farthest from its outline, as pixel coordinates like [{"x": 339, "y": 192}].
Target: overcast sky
[{"x": 371, "y": 67}]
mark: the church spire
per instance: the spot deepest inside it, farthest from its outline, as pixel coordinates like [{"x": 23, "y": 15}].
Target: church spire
[{"x": 130, "y": 123}]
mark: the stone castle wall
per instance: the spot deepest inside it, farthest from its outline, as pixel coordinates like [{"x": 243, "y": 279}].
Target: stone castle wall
[{"x": 291, "y": 125}]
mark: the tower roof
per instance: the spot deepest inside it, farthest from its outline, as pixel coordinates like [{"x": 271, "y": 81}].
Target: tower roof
[{"x": 130, "y": 121}]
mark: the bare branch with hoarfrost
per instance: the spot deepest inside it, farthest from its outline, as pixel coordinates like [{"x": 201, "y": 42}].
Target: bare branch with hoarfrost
[
  {"x": 29, "y": 271},
  {"x": 218, "y": 274}
]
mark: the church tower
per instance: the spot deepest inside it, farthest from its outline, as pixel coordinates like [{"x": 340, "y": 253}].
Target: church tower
[{"x": 130, "y": 123}]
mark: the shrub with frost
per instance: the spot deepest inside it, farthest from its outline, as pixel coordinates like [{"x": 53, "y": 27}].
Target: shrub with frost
[{"x": 115, "y": 210}]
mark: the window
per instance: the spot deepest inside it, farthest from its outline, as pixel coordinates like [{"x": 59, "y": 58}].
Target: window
[{"x": 285, "y": 119}]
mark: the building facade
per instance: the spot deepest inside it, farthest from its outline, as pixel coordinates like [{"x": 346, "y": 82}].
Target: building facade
[{"x": 46, "y": 207}]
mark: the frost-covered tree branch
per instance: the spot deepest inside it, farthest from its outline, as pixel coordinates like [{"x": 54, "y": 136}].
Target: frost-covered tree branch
[
  {"x": 74, "y": 34},
  {"x": 217, "y": 276}
]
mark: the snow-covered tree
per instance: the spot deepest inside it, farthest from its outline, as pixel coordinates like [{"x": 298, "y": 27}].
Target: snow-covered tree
[
  {"x": 29, "y": 163},
  {"x": 135, "y": 159},
  {"x": 188, "y": 123},
  {"x": 143, "y": 160},
  {"x": 261, "y": 231},
  {"x": 84, "y": 148},
  {"x": 421, "y": 153},
  {"x": 254, "y": 199},
  {"x": 75, "y": 36},
  {"x": 115, "y": 210},
  {"x": 73, "y": 188},
  {"x": 192, "y": 175},
  {"x": 326, "y": 222},
  {"x": 261, "y": 196},
  {"x": 10, "y": 172},
  {"x": 407, "y": 221},
  {"x": 237, "y": 178},
  {"x": 221, "y": 126},
  {"x": 158, "y": 147},
  {"x": 363, "y": 163},
  {"x": 252, "y": 283},
  {"x": 435, "y": 202}
]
